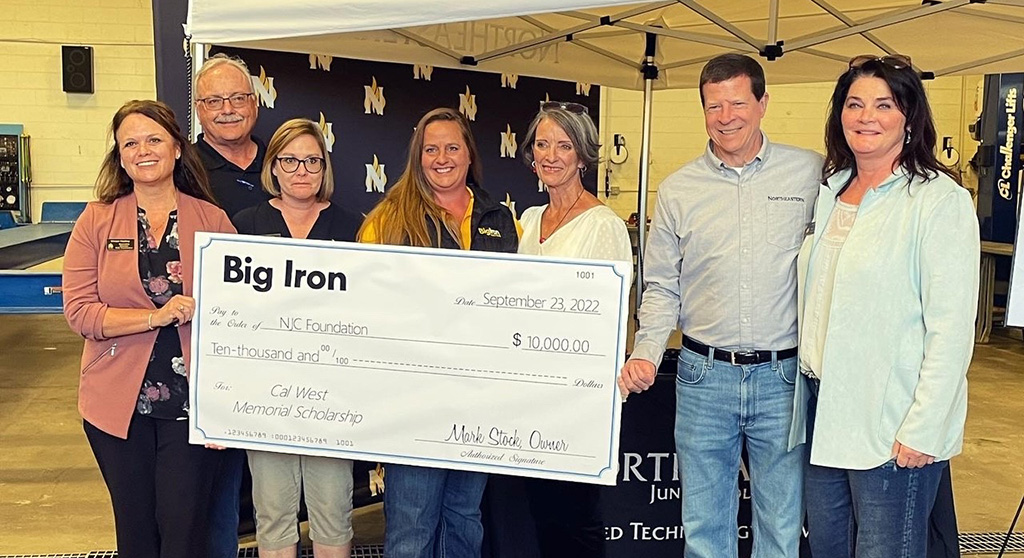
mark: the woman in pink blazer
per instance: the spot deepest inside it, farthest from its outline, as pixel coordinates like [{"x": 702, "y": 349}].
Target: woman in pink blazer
[{"x": 128, "y": 292}]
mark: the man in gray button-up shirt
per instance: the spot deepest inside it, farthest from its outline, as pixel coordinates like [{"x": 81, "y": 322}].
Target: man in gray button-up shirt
[{"x": 721, "y": 265}]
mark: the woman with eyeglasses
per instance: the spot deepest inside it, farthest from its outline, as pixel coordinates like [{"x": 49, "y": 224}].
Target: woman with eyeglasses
[
  {"x": 297, "y": 173},
  {"x": 888, "y": 298},
  {"x": 561, "y": 144},
  {"x": 438, "y": 202}
]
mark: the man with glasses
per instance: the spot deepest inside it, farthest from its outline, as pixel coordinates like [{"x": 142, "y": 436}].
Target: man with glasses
[
  {"x": 233, "y": 157},
  {"x": 721, "y": 265},
  {"x": 227, "y": 109}
]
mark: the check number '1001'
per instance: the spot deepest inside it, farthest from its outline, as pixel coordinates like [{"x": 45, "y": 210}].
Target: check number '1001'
[{"x": 551, "y": 344}]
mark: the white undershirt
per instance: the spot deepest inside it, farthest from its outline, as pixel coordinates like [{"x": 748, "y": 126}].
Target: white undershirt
[{"x": 822, "y": 280}]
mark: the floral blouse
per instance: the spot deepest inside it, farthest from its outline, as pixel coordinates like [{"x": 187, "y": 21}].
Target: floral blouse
[{"x": 164, "y": 392}]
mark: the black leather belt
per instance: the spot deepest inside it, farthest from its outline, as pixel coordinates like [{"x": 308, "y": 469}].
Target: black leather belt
[{"x": 738, "y": 357}]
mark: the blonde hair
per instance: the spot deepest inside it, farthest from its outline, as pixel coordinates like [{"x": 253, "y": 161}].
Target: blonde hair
[
  {"x": 401, "y": 217},
  {"x": 190, "y": 177},
  {"x": 284, "y": 135}
]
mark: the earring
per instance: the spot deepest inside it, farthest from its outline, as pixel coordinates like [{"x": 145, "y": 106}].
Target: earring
[
  {"x": 906, "y": 138},
  {"x": 533, "y": 165}
]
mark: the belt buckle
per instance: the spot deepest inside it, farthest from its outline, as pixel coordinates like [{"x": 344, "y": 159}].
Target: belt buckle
[{"x": 733, "y": 355}]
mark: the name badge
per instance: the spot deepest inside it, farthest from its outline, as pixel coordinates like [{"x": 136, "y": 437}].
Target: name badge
[{"x": 119, "y": 244}]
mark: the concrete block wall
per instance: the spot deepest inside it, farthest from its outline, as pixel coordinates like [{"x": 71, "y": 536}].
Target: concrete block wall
[
  {"x": 69, "y": 131},
  {"x": 796, "y": 115}
]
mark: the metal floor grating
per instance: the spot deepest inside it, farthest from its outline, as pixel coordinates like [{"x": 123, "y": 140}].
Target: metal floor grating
[
  {"x": 989, "y": 543},
  {"x": 363, "y": 551},
  {"x": 970, "y": 543}
]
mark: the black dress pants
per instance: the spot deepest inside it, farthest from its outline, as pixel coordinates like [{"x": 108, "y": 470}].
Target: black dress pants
[{"x": 159, "y": 487}]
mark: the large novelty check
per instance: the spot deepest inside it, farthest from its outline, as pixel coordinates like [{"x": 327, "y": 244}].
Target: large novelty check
[{"x": 443, "y": 358}]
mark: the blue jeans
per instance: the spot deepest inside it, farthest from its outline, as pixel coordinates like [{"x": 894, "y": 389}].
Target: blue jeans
[
  {"x": 719, "y": 407},
  {"x": 224, "y": 499},
  {"x": 875, "y": 513},
  {"x": 432, "y": 512}
]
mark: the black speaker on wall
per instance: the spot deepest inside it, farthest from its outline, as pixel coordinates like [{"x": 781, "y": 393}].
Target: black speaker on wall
[{"x": 76, "y": 68}]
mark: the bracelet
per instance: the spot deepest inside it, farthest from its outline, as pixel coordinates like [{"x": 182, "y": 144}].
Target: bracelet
[{"x": 149, "y": 321}]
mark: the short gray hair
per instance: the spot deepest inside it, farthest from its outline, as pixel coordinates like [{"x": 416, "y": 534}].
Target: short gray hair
[
  {"x": 222, "y": 59},
  {"x": 580, "y": 129}
]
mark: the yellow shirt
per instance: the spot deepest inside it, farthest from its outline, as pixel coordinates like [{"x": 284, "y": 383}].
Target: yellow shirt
[{"x": 369, "y": 235}]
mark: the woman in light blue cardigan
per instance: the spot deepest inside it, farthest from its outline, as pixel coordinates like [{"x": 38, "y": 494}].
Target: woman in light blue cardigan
[{"x": 887, "y": 318}]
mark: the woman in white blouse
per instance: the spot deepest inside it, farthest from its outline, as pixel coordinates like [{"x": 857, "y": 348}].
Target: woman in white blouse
[{"x": 561, "y": 144}]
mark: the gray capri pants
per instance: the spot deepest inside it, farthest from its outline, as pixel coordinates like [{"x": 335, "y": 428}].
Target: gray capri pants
[{"x": 277, "y": 481}]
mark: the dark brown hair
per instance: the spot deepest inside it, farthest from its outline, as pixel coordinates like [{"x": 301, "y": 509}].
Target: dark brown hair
[
  {"x": 189, "y": 174},
  {"x": 918, "y": 155},
  {"x": 727, "y": 66}
]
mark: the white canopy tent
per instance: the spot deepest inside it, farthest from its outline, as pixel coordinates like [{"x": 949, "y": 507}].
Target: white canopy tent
[
  {"x": 602, "y": 41},
  {"x": 620, "y": 43}
]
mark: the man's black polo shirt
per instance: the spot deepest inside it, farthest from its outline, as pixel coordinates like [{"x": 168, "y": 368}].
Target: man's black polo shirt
[{"x": 234, "y": 188}]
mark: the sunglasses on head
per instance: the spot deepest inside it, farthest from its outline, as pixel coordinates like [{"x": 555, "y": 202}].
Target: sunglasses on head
[
  {"x": 894, "y": 61},
  {"x": 574, "y": 108}
]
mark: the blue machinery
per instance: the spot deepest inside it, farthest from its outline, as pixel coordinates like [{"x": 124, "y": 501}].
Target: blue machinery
[{"x": 23, "y": 246}]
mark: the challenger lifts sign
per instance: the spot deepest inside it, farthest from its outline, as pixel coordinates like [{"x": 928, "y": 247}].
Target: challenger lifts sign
[{"x": 1008, "y": 160}]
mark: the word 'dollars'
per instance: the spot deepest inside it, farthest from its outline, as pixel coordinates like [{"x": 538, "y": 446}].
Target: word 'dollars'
[{"x": 261, "y": 278}]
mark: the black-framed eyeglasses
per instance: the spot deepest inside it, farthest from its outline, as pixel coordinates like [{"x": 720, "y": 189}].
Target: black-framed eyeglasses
[
  {"x": 237, "y": 100},
  {"x": 894, "y": 61},
  {"x": 574, "y": 108},
  {"x": 291, "y": 164}
]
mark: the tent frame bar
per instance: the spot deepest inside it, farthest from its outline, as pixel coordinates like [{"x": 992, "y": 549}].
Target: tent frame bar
[
  {"x": 650, "y": 73},
  {"x": 982, "y": 62},
  {"x": 198, "y": 53},
  {"x": 978, "y": 12},
  {"x": 688, "y": 36},
  {"x": 876, "y": 23},
  {"x": 429, "y": 44},
  {"x": 595, "y": 49},
  {"x": 721, "y": 22},
  {"x": 562, "y": 34},
  {"x": 773, "y": 22},
  {"x": 850, "y": 23}
]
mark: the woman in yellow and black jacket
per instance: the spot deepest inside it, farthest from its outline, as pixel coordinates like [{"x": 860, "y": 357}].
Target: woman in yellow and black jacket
[{"x": 437, "y": 203}]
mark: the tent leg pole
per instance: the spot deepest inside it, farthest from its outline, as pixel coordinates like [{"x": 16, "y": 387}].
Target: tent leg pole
[
  {"x": 198, "y": 54},
  {"x": 650, "y": 73}
]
